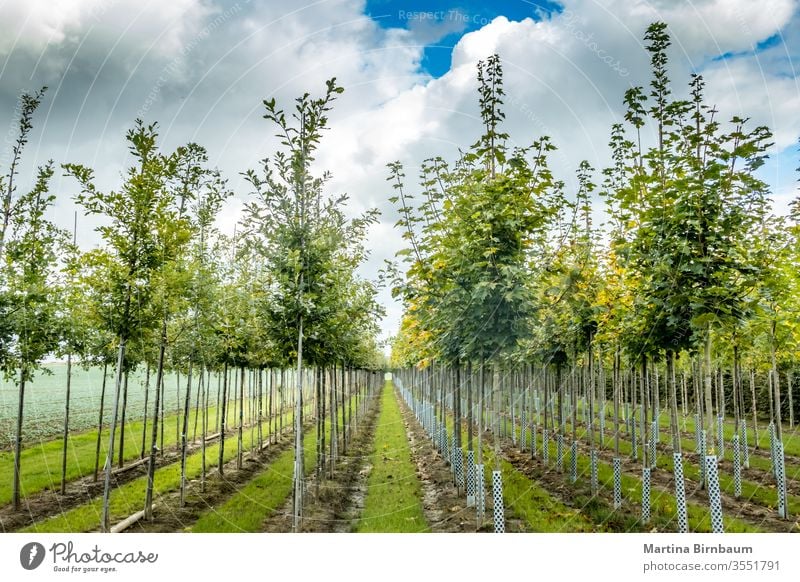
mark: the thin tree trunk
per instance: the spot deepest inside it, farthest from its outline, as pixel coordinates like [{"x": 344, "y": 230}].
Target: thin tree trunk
[
  {"x": 755, "y": 406},
  {"x": 184, "y": 432},
  {"x": 673, "y": 403},
  {"x": 203, "y": 389},
  {"x": 100, "y": 422},
  {"x": 299, "y": 470},
  {"x": 144, "y": 426},
  {"x": 151, "y": 467},
  {"x": 470, "y": 412},
  {"x": 707, "y": 382},
  {"x": 791, "y": 398},
  {"x": 240, "y": 444},
  {"x": 66, "y": 427},
  {"x": 18, "y": 440},
  {"x": 223, "y": 422},
  {"x": 776, "y": 385},
  {"x": 122, "y": 423},
  {"x": 197, "y": 406},
  {"x": 104, "y": 517}
]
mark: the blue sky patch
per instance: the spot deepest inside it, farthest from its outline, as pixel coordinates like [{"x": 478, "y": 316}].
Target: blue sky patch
[{"x": 439, "y": 24}]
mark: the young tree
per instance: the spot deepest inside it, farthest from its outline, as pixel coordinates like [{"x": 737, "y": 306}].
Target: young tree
[
  {"x": 29, "y": 268},
  {"x": 132, "y": 254},
  {"x": 300, "y": 234}
]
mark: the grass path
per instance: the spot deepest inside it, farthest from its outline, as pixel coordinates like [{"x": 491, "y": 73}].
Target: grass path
[
  {"x": 41, "y": 462},
  {"x": 394, "y": 492},
  {"x": 663, "y": 505},
  {"x": 129, "y": 498},
  {"x": 256, "y": 501}
]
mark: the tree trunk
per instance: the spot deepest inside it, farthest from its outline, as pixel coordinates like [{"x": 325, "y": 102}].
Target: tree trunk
[
  {"x": 203, "y": 426},
  {"x": 66, "y": 427},
  {"x": 183, "y": 433},
  {"x": 470, "y": 411},
  {"x": 755, "y": 406},
  {"x": 18, "y": 440},
  {"x": 144, "y": 426},
  {"x": 776, "y": 386},
  {"x": 197, "y": 404},
  {"x": 673, "y": 403},
  {"x": 240, "y": 444},
  {"x": 151, "y": 468},
  {"x": 707, "y": 383},
  {"x": 122, "y": 423},
  {"x": 791, "y": 398},
  {"x": 223, "y": 422},
  {"x": 299, "y": 470},
  {"x": 104, "y": 517},
  {"x": 100, "y": 422}
]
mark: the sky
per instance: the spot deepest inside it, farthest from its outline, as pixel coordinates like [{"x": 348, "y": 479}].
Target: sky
[{"x": 202, "y": 68}]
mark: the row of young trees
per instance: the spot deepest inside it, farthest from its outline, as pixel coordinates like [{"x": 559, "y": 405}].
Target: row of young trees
[
  {"x": 166, "y": 290},
  {"x": 692, "y": 272}
]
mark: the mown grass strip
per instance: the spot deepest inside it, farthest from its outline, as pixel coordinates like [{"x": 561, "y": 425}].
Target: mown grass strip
[
  {"x": 394, "y": 493},
  {"x": 751, "y": 491},
  {"x": 129, "y": 497},
  {"x": 41, "y": 462},
  {"x": 662, "y": 503},
  {"x": 250, "y": 506},
  {"x": 531, "y": 502}
]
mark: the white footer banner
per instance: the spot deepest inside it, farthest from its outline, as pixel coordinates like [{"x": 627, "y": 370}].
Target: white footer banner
[{"x": 370, "y": 557}]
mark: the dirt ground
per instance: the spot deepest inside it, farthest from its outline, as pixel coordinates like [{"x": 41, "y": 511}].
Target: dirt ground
[{"x": 336, "y": 504}]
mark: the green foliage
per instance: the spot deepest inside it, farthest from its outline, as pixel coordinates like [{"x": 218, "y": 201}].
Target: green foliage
[{"x": 309, "y": 248}]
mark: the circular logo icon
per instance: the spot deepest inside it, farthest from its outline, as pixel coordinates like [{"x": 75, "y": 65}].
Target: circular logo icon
[{"x": 31, "y": 555}]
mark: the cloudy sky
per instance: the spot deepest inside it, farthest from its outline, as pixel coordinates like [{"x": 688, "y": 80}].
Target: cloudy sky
[{"x": 201, "y": 68}]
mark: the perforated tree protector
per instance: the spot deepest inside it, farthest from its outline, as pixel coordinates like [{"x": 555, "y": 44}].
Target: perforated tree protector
[
  {"x": 573, "y": 462},
  {"x": 656, "y": 418},
  {"x": 593, "y": 470},
  {"x": 523, "y": 437},
  {"x": 458, "y": 467},
  {"x": 480, "y": 506},
  {"x": 545, "y": 447},
  {"x": 634, "y": 441},
  {"x": 471, "y": 478},
  {"x": 680, "y": 493},
  {"x": 713, "y": 494},
  {"x": 497, "y": 495},
  {"x": 443, "y": 443},
  {"x": 617, "y": 482},
  {"x": 772, "y": 451},
  {"x": 781, "y": 477},
  {"x": 534, "y": 439},
  {"x": 646, "y": 495},
  {"x": 721, "y": 435},
  {"x": 737, "y": 467},
  {"x": 653, "y": 441}
]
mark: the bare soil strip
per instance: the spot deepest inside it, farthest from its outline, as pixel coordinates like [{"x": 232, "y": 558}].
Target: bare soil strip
[{"x": 336, "y": 504}]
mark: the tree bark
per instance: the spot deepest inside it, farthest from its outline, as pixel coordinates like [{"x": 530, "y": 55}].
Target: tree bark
[
  {"x": 100, "y": 422},
  {"x": 104, "y": 517},
  {"x": 122, "y": 423},
  {"x": 184, "y": 431},
  {"x": 18, "y": 441},
  {"x": 299, "y": 470},
  {"x": 223, "y": 422},
  {"x": 66, "y": 427},
  {"x": 151, "y": 468}
]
